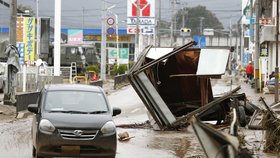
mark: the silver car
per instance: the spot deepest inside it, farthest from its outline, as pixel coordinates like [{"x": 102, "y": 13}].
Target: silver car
[{"x": 73, "y": 120}]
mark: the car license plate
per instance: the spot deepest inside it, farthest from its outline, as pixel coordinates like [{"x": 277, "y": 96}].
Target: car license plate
[{"x": 74, "y": 150}]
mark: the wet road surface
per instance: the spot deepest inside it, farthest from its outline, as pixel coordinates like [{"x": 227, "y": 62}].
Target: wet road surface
[{"x": 15, "y": 137}]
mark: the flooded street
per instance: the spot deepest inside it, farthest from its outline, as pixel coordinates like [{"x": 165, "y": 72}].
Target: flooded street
[
  {"x": 16, "y": 139},
  {"x": 145, "y": 142},
  {"x": 16, "y": 136},
  {"x": 16, "y": 142}
]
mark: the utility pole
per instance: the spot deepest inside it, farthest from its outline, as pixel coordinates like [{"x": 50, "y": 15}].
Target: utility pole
[
  {"x": 201, "y": 24},
  {"x": 103, "y": 42},
  {"x": 276, "y": 67},
  {"x": 257, "y": 48},
  {"x": 9, "y": 95},
  {"x": 13, "y": 22},
  {"x": 137, "y": 46},
  {"x": 183, "y": 22},
  {"x": 230, "y": 44},
  {"x": 172, "y": 23},
  {"x": 83, "y": 19},
  {"x": 159, "y": 23},
  {"x": 159, "y": 19},
  {"x": 57, "y": 36}
]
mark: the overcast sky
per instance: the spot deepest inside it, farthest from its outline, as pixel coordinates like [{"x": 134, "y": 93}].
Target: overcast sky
[{"x": 73, "y": 10}]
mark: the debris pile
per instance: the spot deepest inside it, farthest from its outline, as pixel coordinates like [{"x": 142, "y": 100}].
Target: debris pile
[{"x": 272, "y": 126}]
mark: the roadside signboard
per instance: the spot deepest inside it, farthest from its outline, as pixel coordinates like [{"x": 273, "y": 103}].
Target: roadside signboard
[
  {"x": 20, "y": 46},
  {"x": 29, "y": 38},
  {"x": 75, "y": 36},
  {"x": 201, "y": 41},
  {"x": 142, "y": 29},
  {"x": 112, "y": 55},
  {"x": 146, "y": 17},
  {"x": 123, "y": 55},
  {"x": 19, "y": 30}
]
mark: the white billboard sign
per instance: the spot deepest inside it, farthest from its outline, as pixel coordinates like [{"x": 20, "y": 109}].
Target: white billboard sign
[
  {"x": 141, "y": 21},
  {"x": 146, "y": 16}
]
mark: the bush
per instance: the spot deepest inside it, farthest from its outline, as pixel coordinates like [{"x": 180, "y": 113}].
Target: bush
[
  {"x": 94, "y": 68},
  {"x": 119, "y": 70},
  {"x": 122, "y": 69}
]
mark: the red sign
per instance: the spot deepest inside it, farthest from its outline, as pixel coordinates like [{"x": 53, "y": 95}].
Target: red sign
[
  {"x": 132, "y": 30},
  {"x": 266, "y": 21},
  {"x": 145, "y": 8}
]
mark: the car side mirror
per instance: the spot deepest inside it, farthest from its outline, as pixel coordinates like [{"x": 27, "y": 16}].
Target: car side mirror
[
  {"x": 33, "y": 108},
  {"x": 116, "y": 111}
]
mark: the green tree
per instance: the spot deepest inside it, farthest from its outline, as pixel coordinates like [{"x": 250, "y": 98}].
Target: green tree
[{"x": 194, "y": 17}]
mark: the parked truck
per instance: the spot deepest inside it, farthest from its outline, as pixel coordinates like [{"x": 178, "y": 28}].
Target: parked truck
[{"x": 83, "y": 55}]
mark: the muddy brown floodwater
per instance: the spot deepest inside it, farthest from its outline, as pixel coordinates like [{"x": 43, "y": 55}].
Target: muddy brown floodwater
[
  {"x": 16, "y": 139},
  {"x": 15, "y": 135},
  {"x": 150, "y": 144}
]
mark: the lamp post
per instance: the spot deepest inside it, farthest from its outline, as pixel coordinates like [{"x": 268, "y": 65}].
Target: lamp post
[
  {"x": 276, "y": 99},
  {"x": 103, "y": 43}
]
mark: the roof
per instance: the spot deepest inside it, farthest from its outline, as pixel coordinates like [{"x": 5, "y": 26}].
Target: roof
[{"x": 74, "y": 87}]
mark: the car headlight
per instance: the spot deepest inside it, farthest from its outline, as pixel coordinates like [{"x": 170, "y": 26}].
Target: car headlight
[
  {"x": 109, "y": 128},
  {"x": 46, "y": 127}
]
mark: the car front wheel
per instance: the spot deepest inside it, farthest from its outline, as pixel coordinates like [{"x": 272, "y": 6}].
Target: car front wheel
[{"x": 35, "y": 153}]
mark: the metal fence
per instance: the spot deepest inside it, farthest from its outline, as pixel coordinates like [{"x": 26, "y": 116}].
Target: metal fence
[{"x": 37, "y": 77}]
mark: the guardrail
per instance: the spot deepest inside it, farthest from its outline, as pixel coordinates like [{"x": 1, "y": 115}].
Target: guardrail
[
  {"x": 120, "y": 81},
  {"x": 24, "y": 99}
]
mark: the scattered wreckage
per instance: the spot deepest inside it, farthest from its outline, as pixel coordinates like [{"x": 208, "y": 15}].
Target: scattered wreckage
[{"x": 174, "y": 84}]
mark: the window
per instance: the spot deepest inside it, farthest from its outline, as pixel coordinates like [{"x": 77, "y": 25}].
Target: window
[{"x": 83, "y": 101}]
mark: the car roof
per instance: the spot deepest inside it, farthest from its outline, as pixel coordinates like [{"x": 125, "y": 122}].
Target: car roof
[{"x": 79, "y": 87}]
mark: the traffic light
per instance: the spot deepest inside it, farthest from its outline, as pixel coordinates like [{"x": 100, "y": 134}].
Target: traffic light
[{"x": 185, "y": 30}]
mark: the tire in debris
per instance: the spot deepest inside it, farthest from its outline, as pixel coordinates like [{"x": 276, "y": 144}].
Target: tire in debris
[
  {"x": 242, "y": 116},
  {"x": 250, "y": 108}
]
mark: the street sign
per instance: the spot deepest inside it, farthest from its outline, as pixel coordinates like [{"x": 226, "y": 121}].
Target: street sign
[
  {"x": 112, "y": 53},
  {"x": 265, "y": 21},
  {"x": 201, "y": 41},
  {"x": 110, "y": 26},
  {"x": 146, "y": 30},
  {"x": 110, "y": 31},
  {"x": 123, "y": 55},
  {"x": 110, "y": 21}
]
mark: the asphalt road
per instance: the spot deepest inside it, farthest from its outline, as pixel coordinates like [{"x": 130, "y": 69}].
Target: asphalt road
[
  {"x": 15, "y": 136},
  {"x": 16, "y": 141}
]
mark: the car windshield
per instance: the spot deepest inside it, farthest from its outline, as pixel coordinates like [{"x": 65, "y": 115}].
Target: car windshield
[{"x": 75, "y": 102}]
